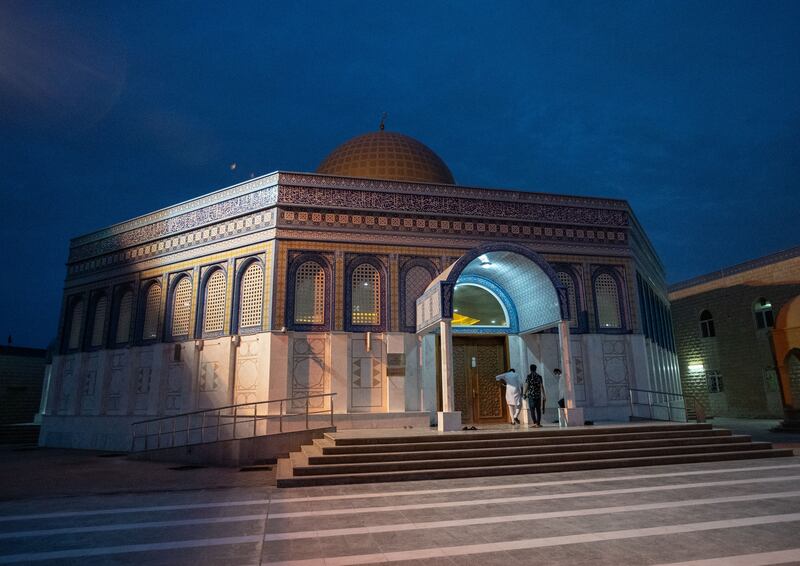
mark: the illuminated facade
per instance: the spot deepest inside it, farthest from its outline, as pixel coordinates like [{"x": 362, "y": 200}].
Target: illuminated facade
[
  {"x": 738, "y": 337},
  {"x": 377, "y": 278}
]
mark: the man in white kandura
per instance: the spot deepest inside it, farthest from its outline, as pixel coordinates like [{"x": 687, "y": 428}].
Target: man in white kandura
[{"x": 513, "y": 393}]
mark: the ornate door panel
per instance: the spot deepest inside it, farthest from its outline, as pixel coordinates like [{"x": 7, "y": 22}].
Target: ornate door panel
[
  {"x": 462, "y": 395},
  {"x": 490, "y": 397},
  {"x": 476, "y": 361}
]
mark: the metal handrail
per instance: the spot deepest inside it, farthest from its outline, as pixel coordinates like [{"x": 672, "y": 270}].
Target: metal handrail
[
  {"x": 234, "y": 416},
  {"x": 669, "y": 406}
]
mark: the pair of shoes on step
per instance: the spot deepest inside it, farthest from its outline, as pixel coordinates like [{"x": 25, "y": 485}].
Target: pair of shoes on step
[{"x": 469, "y": 428}]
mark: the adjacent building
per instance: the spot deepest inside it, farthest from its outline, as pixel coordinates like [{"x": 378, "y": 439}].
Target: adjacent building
[
  {"x": 738, "y": 337},
  {"x": 377, "y": 278}
]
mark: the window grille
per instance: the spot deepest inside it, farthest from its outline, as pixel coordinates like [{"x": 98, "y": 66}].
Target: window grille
[
  {"x": 366, "y": 295},
  {"x": 252, "y": 296},
  {"x": 181, "y": 307},
  {"x": 309, "y": 294},
  {"x": 607, "y": 295},
  {"x": 417, "y": 280},
  {"x": 124, "y": 315},
  {"x": 572, "y": 298},
  {"x": 714, "y": 379},
  {"x": 99, "y": 321},
  {"x": 707, "y": 325},
  {"x": 214, "y": 306},
  {"x": 75, "y": 325},
  {"x": 151, "y": 311}
]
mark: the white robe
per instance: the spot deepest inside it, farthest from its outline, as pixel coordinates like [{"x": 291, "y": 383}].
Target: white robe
[{"x": 513, "y": 387}]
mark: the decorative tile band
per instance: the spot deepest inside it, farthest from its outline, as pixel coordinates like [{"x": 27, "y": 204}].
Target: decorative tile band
[
  {"x": 452, "y": 205},
  {"x": 385, "y": 223},
  {"x": 171, "y": 211},
  {"x": 186, "y": 241},
  {"x": 215, "y": 213}
]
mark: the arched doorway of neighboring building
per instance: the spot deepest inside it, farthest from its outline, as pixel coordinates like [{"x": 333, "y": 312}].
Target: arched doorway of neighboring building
[
  {"x": 786, "y": 341},
  {"x": 491, "y": 293},
  {"x": 792, "y": 364}
]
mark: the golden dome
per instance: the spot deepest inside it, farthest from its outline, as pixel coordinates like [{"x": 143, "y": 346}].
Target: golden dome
[{"x": 387, "y": 155}]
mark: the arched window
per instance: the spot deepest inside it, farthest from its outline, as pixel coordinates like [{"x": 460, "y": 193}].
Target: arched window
[
  {"x": 309, "y": 294},
  {"x": 181, "y": 308},
  {"x": 572, "y": 297},
  {"x": 124, "y": 316},
  {"x": 607, "y": 296},
  {"x": 416, "y": 280},
  {"x": 99, "y": 321},
  {"x": 365, "y": 288},
  {"x": 763, "y": 313},
  {"x": 214, "y": 304},
  {"x": 251, "y": 296},
  {"x": 707, "y": 325},
  {"x": 152, "y": 307},
  {"x": 475, "y": 305},
  {"x": 75, "y": 324}
]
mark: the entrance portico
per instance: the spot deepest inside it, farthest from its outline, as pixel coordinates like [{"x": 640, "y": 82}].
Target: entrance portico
[{"x": 495, "y": 290}]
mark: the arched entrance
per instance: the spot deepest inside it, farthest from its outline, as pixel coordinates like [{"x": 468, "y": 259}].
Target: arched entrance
[
  {"x": 786, "y": 341},
  {"x": 491, "y": 292}
]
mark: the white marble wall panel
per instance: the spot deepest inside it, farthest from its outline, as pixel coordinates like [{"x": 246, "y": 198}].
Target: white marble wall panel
[
  {"x": 115, "y": 391},
  {"x": 368, "y": 374},
  {"x": 428, "y": 371},
  {"x": 412, "y": 346},
  {"x": 90, "y": 386},
  {"x": 252, "y": 357},
  {"x": 214, "y": 379},
  {"x": 340, "y": 370},
  {"x": 278, "y": 386},
  {"x": 308, "y": 369}
]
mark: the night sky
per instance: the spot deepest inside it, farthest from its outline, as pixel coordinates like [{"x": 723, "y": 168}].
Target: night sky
[{"x": 689, "y": 110}]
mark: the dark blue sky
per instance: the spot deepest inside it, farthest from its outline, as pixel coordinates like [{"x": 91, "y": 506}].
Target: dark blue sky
[{"x": 689, "y": 110}]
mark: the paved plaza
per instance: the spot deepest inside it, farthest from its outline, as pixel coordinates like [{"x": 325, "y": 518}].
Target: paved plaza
[{"x": 73, "y": 507}]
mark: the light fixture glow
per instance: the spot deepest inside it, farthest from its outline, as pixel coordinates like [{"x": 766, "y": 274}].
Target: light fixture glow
[{"x": 696, "y": 368}]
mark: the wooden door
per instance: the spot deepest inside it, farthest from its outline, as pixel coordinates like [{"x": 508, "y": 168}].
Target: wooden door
[{"x": 476, "y": 362}]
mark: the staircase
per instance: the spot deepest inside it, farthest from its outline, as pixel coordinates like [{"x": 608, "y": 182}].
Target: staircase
[{"x": 346, "y": 459}]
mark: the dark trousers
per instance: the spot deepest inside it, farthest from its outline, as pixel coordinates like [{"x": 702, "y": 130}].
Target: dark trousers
[{"x": 535, "y": 405}]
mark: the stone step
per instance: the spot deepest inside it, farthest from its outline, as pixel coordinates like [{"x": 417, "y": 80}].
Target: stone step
[
  {"x": 340, "y": 440},
  {"x": 500, "y": 461},
  {"x": 317, "y": 457},
  {"x": 286, "y": 479},
  {"x": 534, "y": 439}
]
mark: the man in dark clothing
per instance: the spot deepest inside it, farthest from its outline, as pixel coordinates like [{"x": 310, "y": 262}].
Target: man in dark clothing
[{"x": 534, "y": 391}]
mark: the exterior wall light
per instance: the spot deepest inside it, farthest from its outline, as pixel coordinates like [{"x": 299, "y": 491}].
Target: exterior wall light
[{"x": 696, "y": 368}]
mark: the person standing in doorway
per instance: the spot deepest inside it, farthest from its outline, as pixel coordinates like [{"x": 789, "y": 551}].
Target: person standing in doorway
[
  {"x": 513, "y": 393},
  {"x": 534, "y": 392}
]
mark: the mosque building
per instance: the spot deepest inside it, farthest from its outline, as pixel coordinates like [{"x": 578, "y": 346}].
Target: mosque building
[{"x": 376, "y": 278}]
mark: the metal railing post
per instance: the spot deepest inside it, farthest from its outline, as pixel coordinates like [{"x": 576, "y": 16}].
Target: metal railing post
[
  {"x": 630, "y": 399},
  {"x": 650, "y": 404},
  {"x": 280, "y": 417},
  {"x": 235, "y": 414},
  {"x": 307, "y": 413},
  {"x": 669, "y": 409},
  {"x": 219, "y": 421},
  {"x": 331, "y": 410},
  {"x": 255, "y": 419}
]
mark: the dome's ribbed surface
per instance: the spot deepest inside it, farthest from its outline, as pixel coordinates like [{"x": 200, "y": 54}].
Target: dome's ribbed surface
[{"x": 387, "y": 155}]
